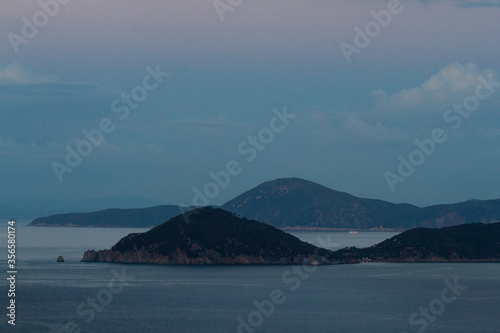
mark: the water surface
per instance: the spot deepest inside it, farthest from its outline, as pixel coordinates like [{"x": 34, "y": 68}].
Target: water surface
[{"x": 374, "y": 297}]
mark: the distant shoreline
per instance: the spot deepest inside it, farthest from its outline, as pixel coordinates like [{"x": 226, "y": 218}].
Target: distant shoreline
[
  {"x": 284, "y": 228},
  {"x": 339, "y": 229},
  {"x": 87, "y": 226}
]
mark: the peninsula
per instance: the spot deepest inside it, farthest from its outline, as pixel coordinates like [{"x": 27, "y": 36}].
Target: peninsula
[{"x": 476, "y": 242}]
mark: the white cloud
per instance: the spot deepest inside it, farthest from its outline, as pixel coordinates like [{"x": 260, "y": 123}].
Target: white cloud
[
  {"x": 450, "y": 84},
  {"x": 17, "y": 74},
  {"x": 349, "y": 125},
  {"x": 413, "y": 112}
]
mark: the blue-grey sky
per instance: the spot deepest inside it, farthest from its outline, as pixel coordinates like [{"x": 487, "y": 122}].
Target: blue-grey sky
[{"x": 353, "y": 119}]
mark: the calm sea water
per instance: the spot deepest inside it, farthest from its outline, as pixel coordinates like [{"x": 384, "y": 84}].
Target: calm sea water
[{"x": 146, "y": 298}]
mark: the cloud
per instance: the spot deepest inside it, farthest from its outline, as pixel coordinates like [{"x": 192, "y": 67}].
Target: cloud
[
  {"x": 476, "y": 3},
  {"x": 468, "y": 3},
  {"x": 54, "y": 90},
  {"x": 16, "y": 81},
  {"x": 450, "y": 84},
  {"x": 41, "y": 108},
  {"x": 10, "y": 148},
  {"x": 377, "y": 132},
  {"x": 348, "y": 126},
  {"x": 411, "y": 113},
  {"x": 15, "y": 74},
  {"x": 205, "y": 122}
]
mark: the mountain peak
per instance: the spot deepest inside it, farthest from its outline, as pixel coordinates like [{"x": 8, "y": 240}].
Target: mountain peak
[
  {"x": 211, "y": 236},
  {"x": 294, "y": 203},
  {"x": 291, "y": 202}
]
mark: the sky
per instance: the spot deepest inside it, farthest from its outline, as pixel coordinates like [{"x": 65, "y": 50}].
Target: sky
[{"x": 177, "y": 93}]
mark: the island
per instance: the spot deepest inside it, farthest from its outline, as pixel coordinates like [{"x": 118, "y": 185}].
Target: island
[
  {"x": 475, "y": 242},
  {"x": 212, "y": 236},
  {"x": 114, "y": 217}
]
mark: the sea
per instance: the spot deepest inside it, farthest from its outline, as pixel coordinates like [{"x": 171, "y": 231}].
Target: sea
[{"x": 369, "y": 297}]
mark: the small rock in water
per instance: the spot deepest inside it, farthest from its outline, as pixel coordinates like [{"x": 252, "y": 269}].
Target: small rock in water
[{"x": 60, "y": 259}]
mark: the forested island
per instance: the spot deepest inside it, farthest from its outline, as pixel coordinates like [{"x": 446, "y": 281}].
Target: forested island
[{"x": 208, "y": 236}]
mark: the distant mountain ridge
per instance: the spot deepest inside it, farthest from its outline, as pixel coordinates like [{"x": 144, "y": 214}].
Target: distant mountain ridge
[
  {"x": 295, "y": 203},
  {"x": 32, "y": 208},
  {"x": 135, "y": 217}
]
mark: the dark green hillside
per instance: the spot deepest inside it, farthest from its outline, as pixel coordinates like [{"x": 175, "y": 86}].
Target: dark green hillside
[
  {"x": 211, "y": 236},
  {"x": 468, "y": 242}
]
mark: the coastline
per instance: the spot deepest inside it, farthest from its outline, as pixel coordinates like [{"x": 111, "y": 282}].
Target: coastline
[{"x": 283, "y": 228}]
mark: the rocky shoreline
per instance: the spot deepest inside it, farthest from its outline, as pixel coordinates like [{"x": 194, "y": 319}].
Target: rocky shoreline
[{"x": 182, "y": 258}]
